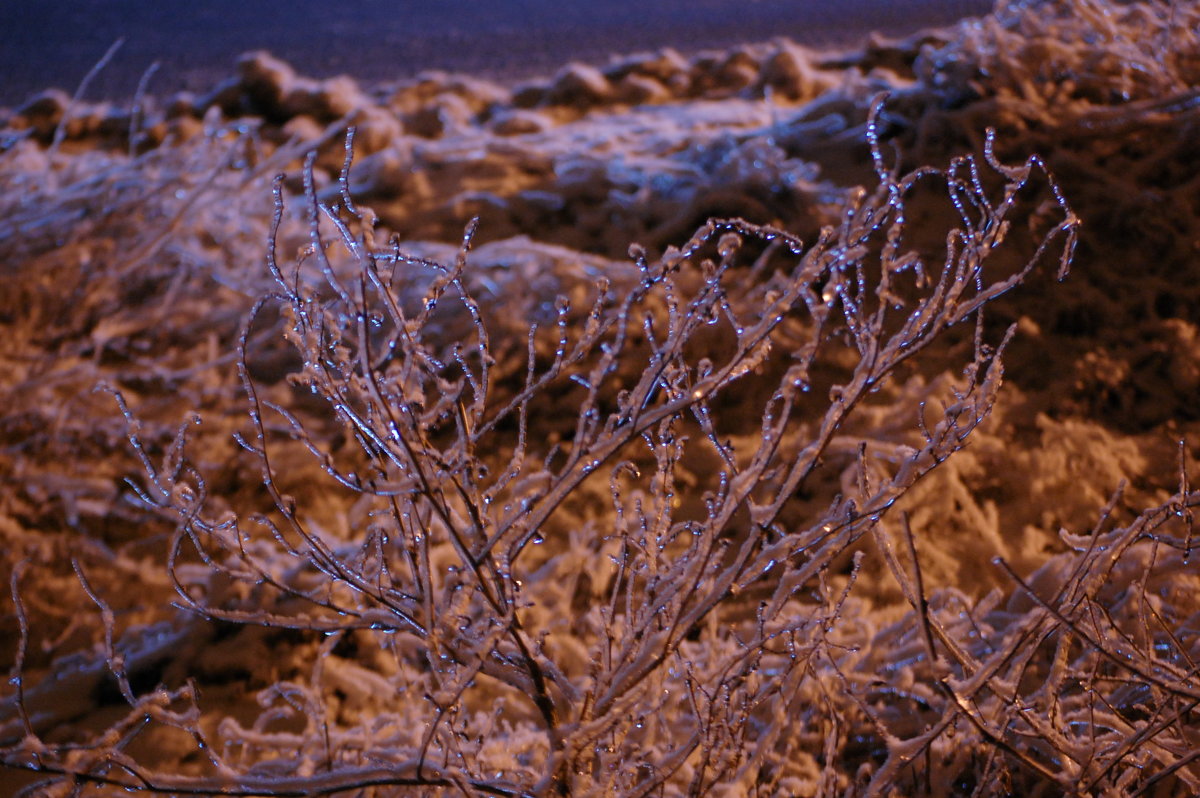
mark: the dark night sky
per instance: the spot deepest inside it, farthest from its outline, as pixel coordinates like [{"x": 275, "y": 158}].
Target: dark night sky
[{"x": 55, "y": 43}]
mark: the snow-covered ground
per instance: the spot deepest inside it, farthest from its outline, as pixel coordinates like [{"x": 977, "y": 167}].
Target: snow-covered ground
[
  {"x": 44, "y": 45},
  {"x": 611, "y": 499}
]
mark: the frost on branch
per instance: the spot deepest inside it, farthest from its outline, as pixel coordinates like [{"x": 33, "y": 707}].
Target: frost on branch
[{"x": 604, "y": 543}]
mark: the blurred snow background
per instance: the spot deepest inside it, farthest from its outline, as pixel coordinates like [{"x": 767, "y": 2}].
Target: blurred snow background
[{"x": 55, "y": 44}]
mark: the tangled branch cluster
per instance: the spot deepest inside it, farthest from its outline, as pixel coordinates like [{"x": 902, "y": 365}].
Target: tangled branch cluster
[{"x": 620, "y": 557}]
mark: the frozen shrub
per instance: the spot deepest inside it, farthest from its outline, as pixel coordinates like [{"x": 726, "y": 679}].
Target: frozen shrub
[
  {"x": 714, "y": 608},
  {"x": 614, "y": 557},
  {"x": 1106, "y": 93}
]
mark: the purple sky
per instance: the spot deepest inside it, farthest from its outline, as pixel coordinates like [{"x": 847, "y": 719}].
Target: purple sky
[{"x": 55, "y": 43}]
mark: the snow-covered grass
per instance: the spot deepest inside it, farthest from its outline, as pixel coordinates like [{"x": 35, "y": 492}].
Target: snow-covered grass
[{"x": 686, "y": 470}]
